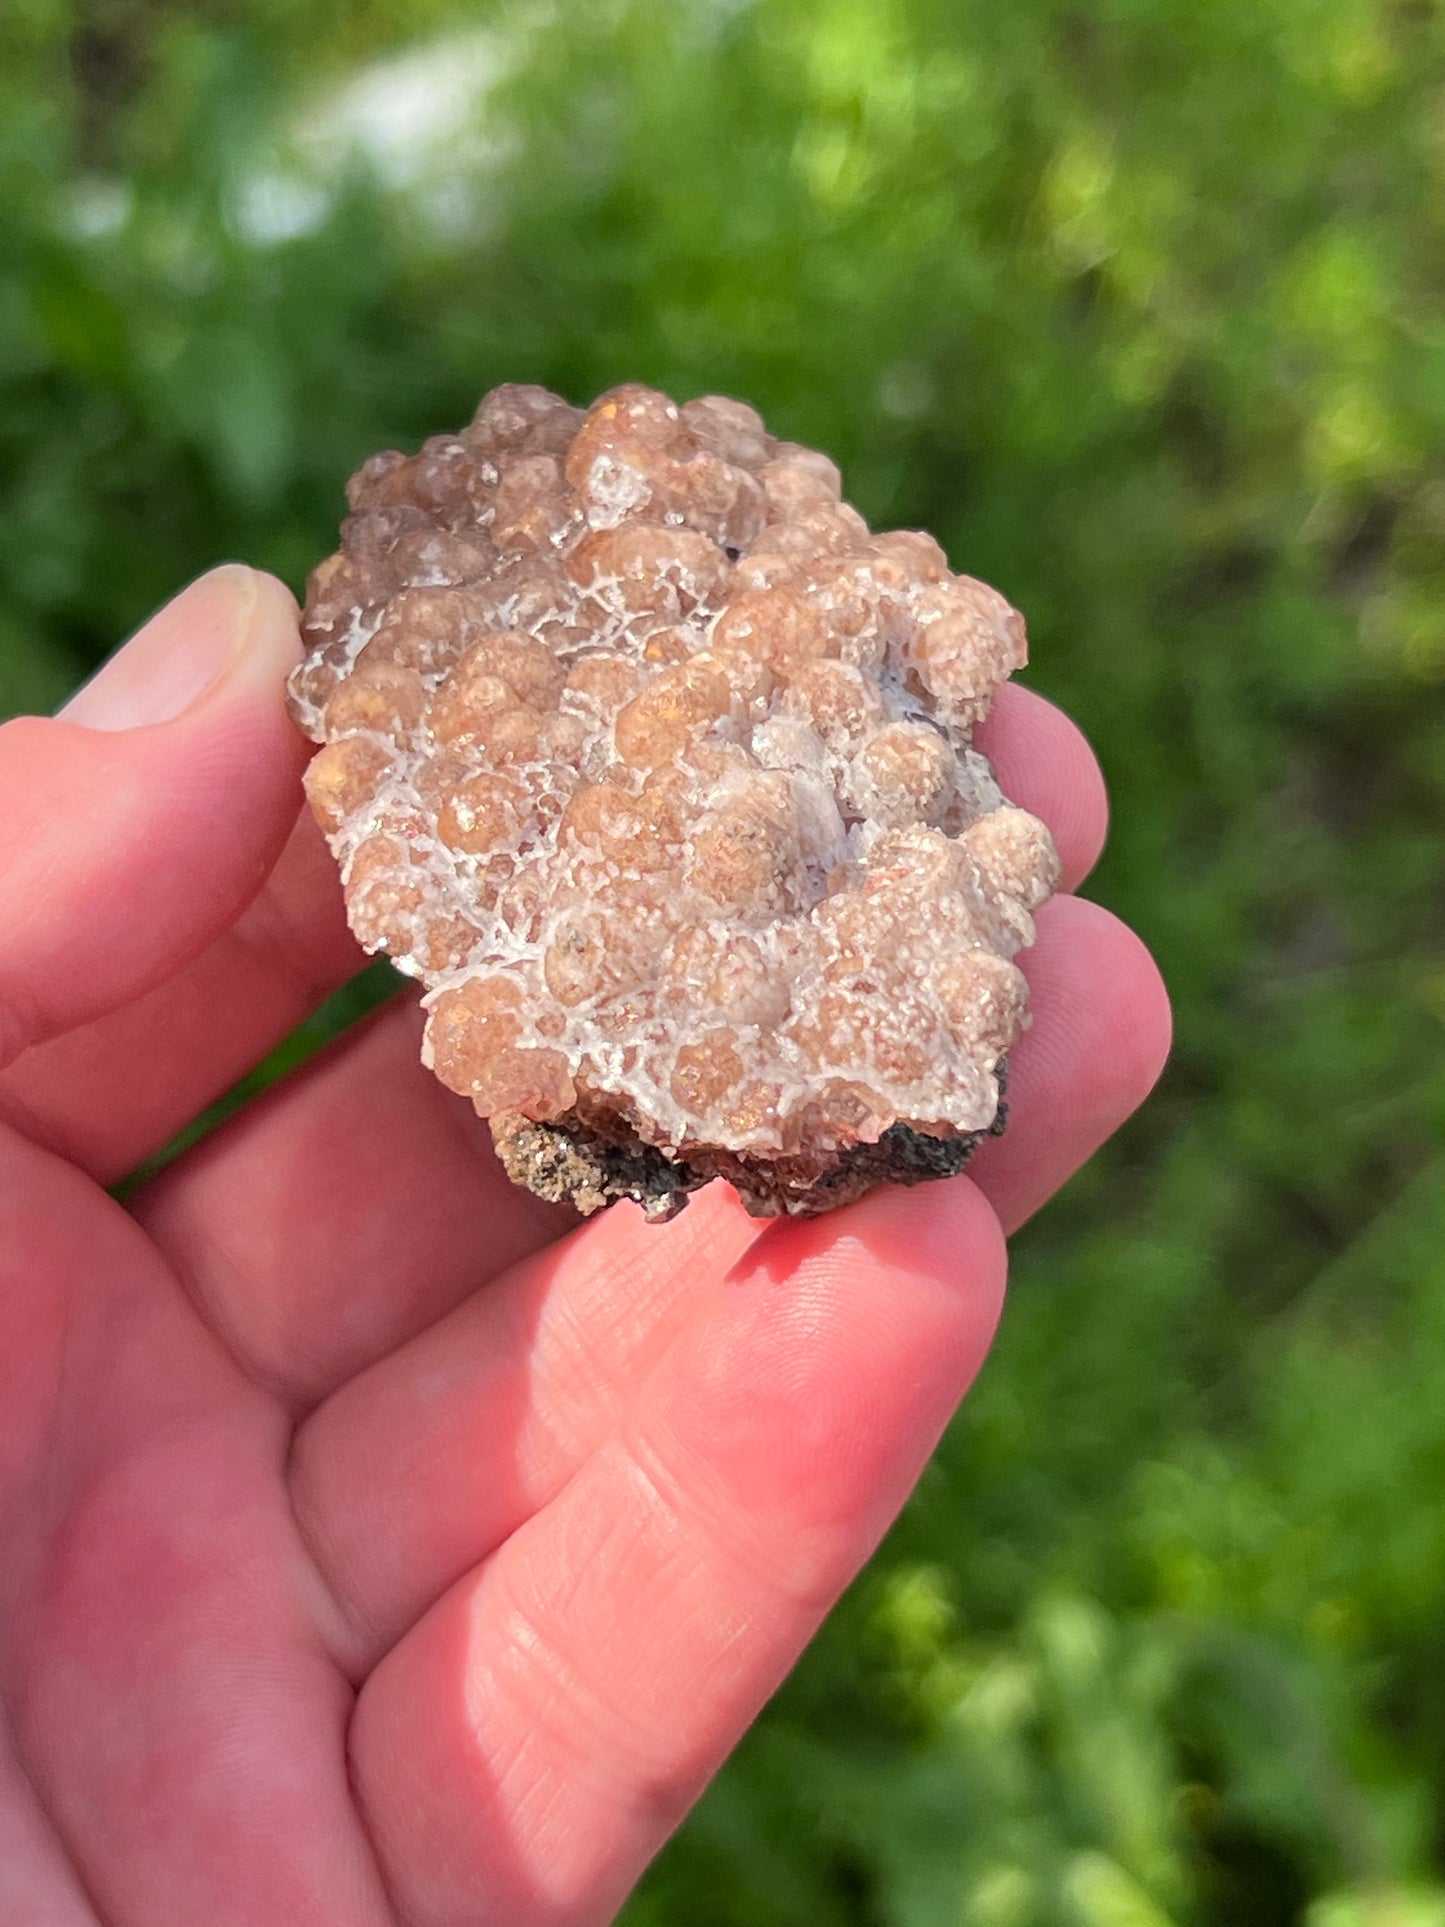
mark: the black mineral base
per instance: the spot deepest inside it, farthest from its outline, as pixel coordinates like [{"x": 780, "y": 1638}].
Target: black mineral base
[{"x": 568, "y": 1162}]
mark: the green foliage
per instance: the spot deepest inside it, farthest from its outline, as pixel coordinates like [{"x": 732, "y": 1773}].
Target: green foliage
[{"x": 1137, "y": 306}]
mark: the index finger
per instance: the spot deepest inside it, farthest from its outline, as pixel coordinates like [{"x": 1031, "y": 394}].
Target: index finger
[{"x": 291, "y": 950}]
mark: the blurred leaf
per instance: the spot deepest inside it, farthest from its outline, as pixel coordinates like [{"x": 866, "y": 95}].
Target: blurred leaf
[{"x": 1384, "y": 1907}]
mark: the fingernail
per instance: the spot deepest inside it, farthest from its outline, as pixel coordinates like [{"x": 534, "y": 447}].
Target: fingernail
[{"x": 176, "y": 659}]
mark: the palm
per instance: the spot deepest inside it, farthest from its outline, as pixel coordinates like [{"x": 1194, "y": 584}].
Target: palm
[{"x": 376, "y": 1547}]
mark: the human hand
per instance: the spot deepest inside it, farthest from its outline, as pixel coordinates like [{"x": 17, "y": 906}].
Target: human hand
[{"x": 376, "y": 1543}]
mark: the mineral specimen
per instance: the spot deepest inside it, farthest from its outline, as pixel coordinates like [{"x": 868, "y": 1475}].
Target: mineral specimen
[{"x": 655, "y": 766}]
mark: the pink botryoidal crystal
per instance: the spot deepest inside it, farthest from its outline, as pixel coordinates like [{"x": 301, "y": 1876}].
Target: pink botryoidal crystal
[{"x": 655, "y": 766}]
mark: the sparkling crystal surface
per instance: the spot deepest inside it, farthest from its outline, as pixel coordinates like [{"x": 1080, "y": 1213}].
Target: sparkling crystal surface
[{"x": 655, "y": 765}]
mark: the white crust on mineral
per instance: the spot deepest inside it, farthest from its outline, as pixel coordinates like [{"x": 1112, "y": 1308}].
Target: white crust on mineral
[{"x": 656, "y": 767}]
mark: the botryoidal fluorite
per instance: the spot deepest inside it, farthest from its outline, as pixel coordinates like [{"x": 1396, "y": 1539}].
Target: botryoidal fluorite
[{"x": 655, "y": 766}]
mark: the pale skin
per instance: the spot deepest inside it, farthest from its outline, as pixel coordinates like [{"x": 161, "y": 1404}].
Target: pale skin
[{"x": 377, "y": 1544}]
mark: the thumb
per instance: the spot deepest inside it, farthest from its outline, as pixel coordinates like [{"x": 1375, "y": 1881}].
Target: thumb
[{"x": 141, "y": 821}]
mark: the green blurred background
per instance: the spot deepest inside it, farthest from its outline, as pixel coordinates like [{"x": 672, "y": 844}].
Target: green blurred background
[{"x": 1137, "y": 305}]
